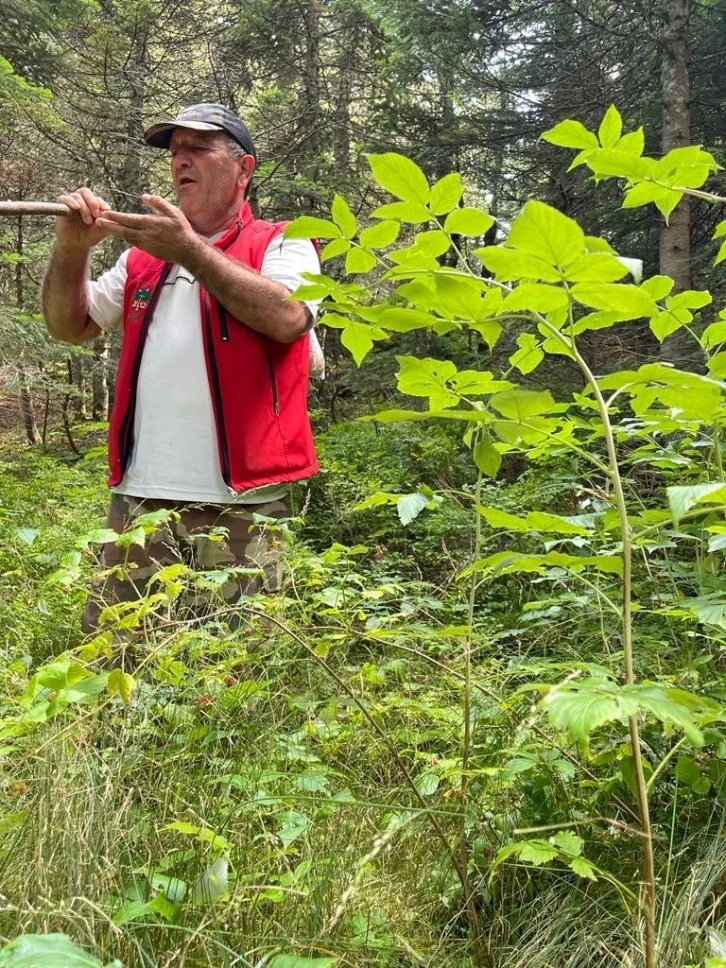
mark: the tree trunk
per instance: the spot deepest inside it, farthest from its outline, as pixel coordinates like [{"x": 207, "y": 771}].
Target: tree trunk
[
  {"x": 312, "y": 123},
  {"x": 78, "y": 374},
  {"x": 675, "y": 240}
]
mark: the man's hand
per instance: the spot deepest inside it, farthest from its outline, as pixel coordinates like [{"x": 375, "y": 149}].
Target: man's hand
[
  {"x": 81, "y": 231},
  {"x": 166, "y": 235}
]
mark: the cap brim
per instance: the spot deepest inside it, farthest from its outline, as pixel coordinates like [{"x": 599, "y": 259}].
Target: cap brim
[{"x": 159, "y": 135}]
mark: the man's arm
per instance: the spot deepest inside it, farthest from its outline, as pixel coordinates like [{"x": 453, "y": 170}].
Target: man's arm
[
  {"x": 65, "y": 283},
  {"x": 261, "y": 302}
]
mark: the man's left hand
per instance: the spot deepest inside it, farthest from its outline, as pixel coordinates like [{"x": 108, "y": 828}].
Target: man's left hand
[{"x": 166, "y": 235}]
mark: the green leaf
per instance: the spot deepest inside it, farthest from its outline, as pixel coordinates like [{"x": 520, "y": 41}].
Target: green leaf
[
  {"x": 682, "y": 498},
  {"x": 358, "y": 260},
  {"x": 359, "y": 338},
  {"x": 583, "y": 868},
  {"x": 309, "y": 227},
  {"x": 611, "y": 127},
  {"x": 529, "y": 355},
  {"x": 28, "y": 535},
  {"x": 630, "y": 302},
  {"x": 400, "y": 176},
  {"x": 510, "y": 265},
  {"x": 381, "y": 235},
  {"x": 410, "y": 212},
  {"x": 428, "y": 378},
  {"x": 121, "y": 684},
  {"x": 446, "y": 193},
  {"x": 468, "y": 221},
  {"x": 48, "y": 951},
  {"x": 404, "y": 320},
  {"x": 720, "y": 255},
  {"x": 343, "y": 217},
  {"x": 581, "y": 707},
  {"x": 542, "y": 231},
  {"x": 521, "y": 404},
  {"x": 658, "y": 287},
  {"x": 427, "y": 783},
  {"x": 334, "y": 248},
  {"x": 686, "y": 771},
  {"x": 537, "y": 852},
  {"x": 212, "y": 885},
  {"x": 297, "y": 961},
  {"x": 569, "y": 842},
  {"x": 596, "y": 267},
  {"x": 665, "y": 199},
  {"x": 511, "y": 562},
  {"x": 291, "y": 826},
  {"x": 536, "y": 296},
  {"x": 571, "y": 134},
  {"x": 409, "y": 506},
  {"x": 487, "y": 458}
]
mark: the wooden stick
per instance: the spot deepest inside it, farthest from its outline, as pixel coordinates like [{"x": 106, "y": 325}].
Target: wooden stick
[{"x": 34, "y": 208}]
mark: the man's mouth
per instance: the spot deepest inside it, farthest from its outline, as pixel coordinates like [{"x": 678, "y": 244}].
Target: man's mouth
[{"x": 186, "y": 180}]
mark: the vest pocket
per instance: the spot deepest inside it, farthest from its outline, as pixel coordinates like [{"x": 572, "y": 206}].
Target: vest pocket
[
  {"x": 223, "y": 324},
  {"x": 273, "y": 385}
]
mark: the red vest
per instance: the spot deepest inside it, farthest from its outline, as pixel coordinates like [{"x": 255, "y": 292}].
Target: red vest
[{"x": 259, "y": 388}]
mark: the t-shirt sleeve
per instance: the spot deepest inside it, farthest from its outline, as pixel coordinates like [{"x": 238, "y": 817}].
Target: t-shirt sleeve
[
  {"x": 285, "y": 261},
  {"x": 106, "y": 296}
]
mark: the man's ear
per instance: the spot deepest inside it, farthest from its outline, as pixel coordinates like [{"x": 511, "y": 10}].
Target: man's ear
[{"x": 247, "y": 169}]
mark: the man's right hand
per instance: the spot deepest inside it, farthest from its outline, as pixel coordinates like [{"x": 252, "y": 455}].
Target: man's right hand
[{"x": 79, "y": 230}]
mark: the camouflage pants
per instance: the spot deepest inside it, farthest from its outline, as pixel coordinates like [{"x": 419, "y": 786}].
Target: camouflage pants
[{"x": 204, "y": 537}]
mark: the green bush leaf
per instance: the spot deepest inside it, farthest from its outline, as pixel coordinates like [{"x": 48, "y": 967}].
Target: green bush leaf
[
  {"x": 428, "y": 378},
  {"x": 446, "y": 193},
  {"x": 487, "y": 458},
  {"x": 411, "y": 212},
  {"x": 571, "y": 134},
  {"x": 358, "y": 260},
  {"x": 541, "y": 230},
  {"x": 381, "y": 235},
  {"x": 529, "y": 355},
  {"x": 681, "y": 498},
  {"x": 334, "y": 248},
  {"x": 48, "y": 951},
  {"x": 309, "y": 227},
  {"x": 510, "y": 265},
  {"x": 343, "y": 217},
  {"x": 401, "y": 177},
  {"x": 298, "y": 961},
  {"x": 468, "y": 221},
  {"x": 611, "y": 127},
  {"x": 630, "y": 302}
]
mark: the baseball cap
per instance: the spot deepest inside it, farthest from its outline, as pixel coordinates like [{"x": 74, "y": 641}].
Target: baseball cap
[{"x": 202, "y": 117}]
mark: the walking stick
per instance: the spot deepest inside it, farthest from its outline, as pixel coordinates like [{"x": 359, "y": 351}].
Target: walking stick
[{"x": 34, "y": 208}]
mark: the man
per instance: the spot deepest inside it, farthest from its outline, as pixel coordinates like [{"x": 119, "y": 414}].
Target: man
[{"x": 210, "y": 414}]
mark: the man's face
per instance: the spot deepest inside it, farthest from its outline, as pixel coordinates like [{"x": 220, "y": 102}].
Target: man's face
[{"x": 209, "y": 183}]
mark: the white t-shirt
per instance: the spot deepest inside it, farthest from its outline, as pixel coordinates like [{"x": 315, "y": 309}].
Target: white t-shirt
[{"x": 175, "y": 455}]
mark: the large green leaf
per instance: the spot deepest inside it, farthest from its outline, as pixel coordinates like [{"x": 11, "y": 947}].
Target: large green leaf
[
  {"x": 579, "y": 707},
  {"x": 681, "y": 498},
  {"x": 400, "y": 176},
  {"x": 309, "y": 227},
  {"x": 521, "y": 404},
  {"x": 468, "y": 221},
  {"x": 542, "y": 231},
  {"x": 343, "y": 217},
  {"x": 48, "y": 951},
  {"x": 630, "y": 302},
  {"x": 428, "y": 378},
  {"x": 446, "y": 193},
  {"x": 381, "y": 235},
  {"x": 510, "y": 265},
  {"x": 571, "y": 134}
]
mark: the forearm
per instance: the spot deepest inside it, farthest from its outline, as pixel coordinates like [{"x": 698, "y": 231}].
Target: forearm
[
  {"x": 261, "y": 303},
  {"x": 65, "y": 296}
]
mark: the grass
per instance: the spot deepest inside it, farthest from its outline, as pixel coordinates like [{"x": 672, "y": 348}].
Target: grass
[{"x": 253, "y": 748}]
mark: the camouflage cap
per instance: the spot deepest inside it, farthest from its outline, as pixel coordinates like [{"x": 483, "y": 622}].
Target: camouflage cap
[{"x": 202, "y": 117}]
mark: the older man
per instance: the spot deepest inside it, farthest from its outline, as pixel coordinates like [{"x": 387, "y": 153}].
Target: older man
[{"x": 210, "y": 414}]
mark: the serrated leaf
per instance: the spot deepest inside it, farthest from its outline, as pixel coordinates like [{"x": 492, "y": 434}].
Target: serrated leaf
[
  {"x": 537, "y": 297},
  {"x": 571, "y": 134},
  {"x": 309, "y": 227},
  {"x": 611, "y": 127},
  {"x": 28, "y": 535},
  {"x": 428, "y": 378},
  {"x": 381, "y": 235},
  {"x": 334, "y": 248},
  {"x": 569, "y": 842},
  {"x": 686, "y": 771},
  {"x": 121, "y": 684},
  {"x": 400, "y": 176},
  {"x": 537, "y": 852},
  {"x": 359, "y": 338},
  {"x": 411, "y": 212},
  {"x": 358, "y": 260},
  {"x": 427, "y": 783},
  {"x": 542, "y": 231},
  {"x": 630, "y": 302},
  {"x": 596, "y": 267},
  {"x": 404, "y": 320},
  {"x": 521, "y": 404},
  {"x": 291, "y": 826},
  {"x": 645, "y": 193},
  {"x": 487, "y": 458},
  {"x": 682, "y": 498},
  {"x": 344, "y": 217},
  {"x": 468, "y": 221},
  {"x": 410, "y": 506},
  {"x": 583, "y": 868},
  {"x": 510, "y": 265},
  {"x": 579, "y": 708},
  {"x": 446, "y": 193},
  {"x": 529, "y": 355}
]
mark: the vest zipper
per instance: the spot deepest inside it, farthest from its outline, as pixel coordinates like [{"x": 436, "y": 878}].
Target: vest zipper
[
  {"x": 125, "y": 436},
  {"x": 273, "y": 384},
  {"x": 216, "y": 390},
  {"x": 223, "y": 324}
]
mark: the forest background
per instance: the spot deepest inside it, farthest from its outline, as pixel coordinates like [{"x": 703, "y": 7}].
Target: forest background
[{"x": 303, "y": 798}]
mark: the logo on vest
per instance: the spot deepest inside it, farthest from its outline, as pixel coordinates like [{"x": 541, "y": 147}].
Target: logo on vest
[{"x": 139, "y": 302}]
